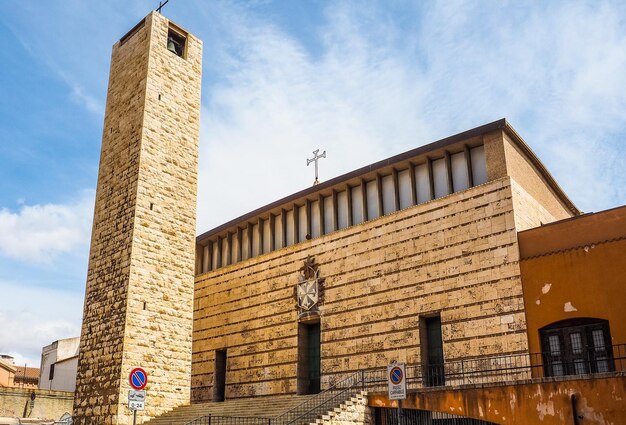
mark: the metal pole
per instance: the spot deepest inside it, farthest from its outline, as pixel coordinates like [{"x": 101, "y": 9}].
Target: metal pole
[
  {"x": 399, "y": 412},
  {"x": 462, "y": 372},
  {"x": 134, "y": 417},
  {"x": 575, "y": 414},
  {"x": 317, "y": 170}
]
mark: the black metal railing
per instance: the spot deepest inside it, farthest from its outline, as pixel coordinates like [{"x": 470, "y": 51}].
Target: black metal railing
[
  {"x": 505, "y": 368},
  {"x": 323, "y": 402},
  {"x": 391, "y": 416},
  {"x": 484, "y": 370},
  {"x": 229, "y": 420}
]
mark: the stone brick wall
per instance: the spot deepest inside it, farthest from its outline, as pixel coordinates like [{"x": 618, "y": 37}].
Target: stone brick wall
[
  {"x": 138, "y": 301},
  {"x": 530, "y": 180},
  {"x": 529, "y": 211},
  {"x": 455, "y": 255},
  {"x": 16, "y": 403},
  {"x": 535, "y": 201}
]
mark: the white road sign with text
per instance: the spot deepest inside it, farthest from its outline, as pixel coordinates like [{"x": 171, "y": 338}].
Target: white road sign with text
[
  {"x": 136, "y": 400},
  {"x": 396, "y": 377}
]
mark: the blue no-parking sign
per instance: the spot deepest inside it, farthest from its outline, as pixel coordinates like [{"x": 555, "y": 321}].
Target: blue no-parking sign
[
  {"x": 396, "y": 376},
  {"x": 138, "y": 378}
]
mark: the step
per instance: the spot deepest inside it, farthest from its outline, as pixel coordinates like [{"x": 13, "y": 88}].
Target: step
[
  {"x": 265, "y": 407},
  {"x": 258, "y": 407}
]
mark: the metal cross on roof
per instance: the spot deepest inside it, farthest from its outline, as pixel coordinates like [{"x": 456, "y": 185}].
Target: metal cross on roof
[
  {"x": 315, "y": 158},
  {"x": 161, "y": 6}
]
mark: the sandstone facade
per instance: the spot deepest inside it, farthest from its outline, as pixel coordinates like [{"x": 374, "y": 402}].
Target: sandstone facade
[
  {"x": 138, "y": 301},
  {"x": 456, "y": 256}
]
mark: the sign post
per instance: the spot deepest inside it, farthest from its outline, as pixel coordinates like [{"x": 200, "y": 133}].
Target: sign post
[
  {"x": 138, "y": 379},
  {"x": 396, "y": 379}
]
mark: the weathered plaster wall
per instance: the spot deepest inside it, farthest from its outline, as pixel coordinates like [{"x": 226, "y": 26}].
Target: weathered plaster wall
[
  {"x": 7, "y": 374},
  {"x": 580, "y": 261},
  {"x": 64, "y": 376},
  {"x": 599, "y": 402},
  {"x": 64, "y": 355}
]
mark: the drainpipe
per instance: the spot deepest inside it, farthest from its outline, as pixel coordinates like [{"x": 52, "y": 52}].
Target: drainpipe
[{"x": 576, "y": 416}]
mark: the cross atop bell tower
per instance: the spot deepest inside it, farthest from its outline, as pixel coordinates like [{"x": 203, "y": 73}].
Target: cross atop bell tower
[{"x": 139, "y": 295}]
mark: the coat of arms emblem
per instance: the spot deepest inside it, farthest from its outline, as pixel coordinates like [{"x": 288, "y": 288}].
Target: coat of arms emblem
[
  {"x": 308, "y": 289},
  {"x": 308, "y": 293}
]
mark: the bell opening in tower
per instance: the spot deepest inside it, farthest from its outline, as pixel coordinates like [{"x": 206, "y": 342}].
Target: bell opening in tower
[{"x": 176, "y": 42}]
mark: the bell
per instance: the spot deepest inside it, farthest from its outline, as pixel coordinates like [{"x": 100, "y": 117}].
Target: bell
[{"x": 171, "y": 47}]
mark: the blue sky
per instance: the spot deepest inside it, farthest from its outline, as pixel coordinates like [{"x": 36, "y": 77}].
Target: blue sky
[{"x": 362, "y": 80}]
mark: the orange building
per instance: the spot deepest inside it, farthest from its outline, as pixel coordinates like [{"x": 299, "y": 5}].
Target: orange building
[
  {"x": 574, "y": 283},
  {"x": 14, "y": 376}
]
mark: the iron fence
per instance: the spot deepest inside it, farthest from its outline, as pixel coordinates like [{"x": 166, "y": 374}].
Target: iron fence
[
  {"x": 229, "y": 420},
  {"x": 391, "y": 416},
  {"x": 505, "y": 368},
  {"x": 484, "y": 370}
]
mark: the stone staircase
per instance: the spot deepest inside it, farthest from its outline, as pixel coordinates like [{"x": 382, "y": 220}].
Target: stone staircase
[
  {"x": 352, "y": 411},
  {"x": 260, "y": 407}
]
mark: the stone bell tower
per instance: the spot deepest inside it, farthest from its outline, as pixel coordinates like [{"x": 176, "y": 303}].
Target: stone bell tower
[{"x": 139, "y": 297}]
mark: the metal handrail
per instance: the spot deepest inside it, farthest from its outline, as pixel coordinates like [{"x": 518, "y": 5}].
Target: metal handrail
[
  {"x": 315, "y": 406},
  {"x": 307, "y": 411}
]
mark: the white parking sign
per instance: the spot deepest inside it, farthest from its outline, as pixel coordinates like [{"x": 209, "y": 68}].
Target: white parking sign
[
  {"x": 136, "y": 400},
  {"x": 396, "y": 377}
]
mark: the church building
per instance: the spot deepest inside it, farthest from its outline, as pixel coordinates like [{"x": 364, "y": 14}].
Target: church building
[
  {"x": 414, "y": 258},
  {"x": 453, "y": 261}
]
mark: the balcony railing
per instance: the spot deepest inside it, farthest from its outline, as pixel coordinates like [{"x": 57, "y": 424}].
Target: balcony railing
[{"x": 506, "y": 368}]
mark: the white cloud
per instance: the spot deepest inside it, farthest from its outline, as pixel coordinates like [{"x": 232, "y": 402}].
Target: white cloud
[
  {"x": 280, "y": 104},
  {"x": 40, "y": 233},
  {"x": 555, "y": 70},
  {"x": 33, "y": 317},
  {"x": 80, "y": 96}
]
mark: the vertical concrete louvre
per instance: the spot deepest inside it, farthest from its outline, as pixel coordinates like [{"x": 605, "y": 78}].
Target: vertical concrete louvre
[{"x": 139, "y": 295}]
